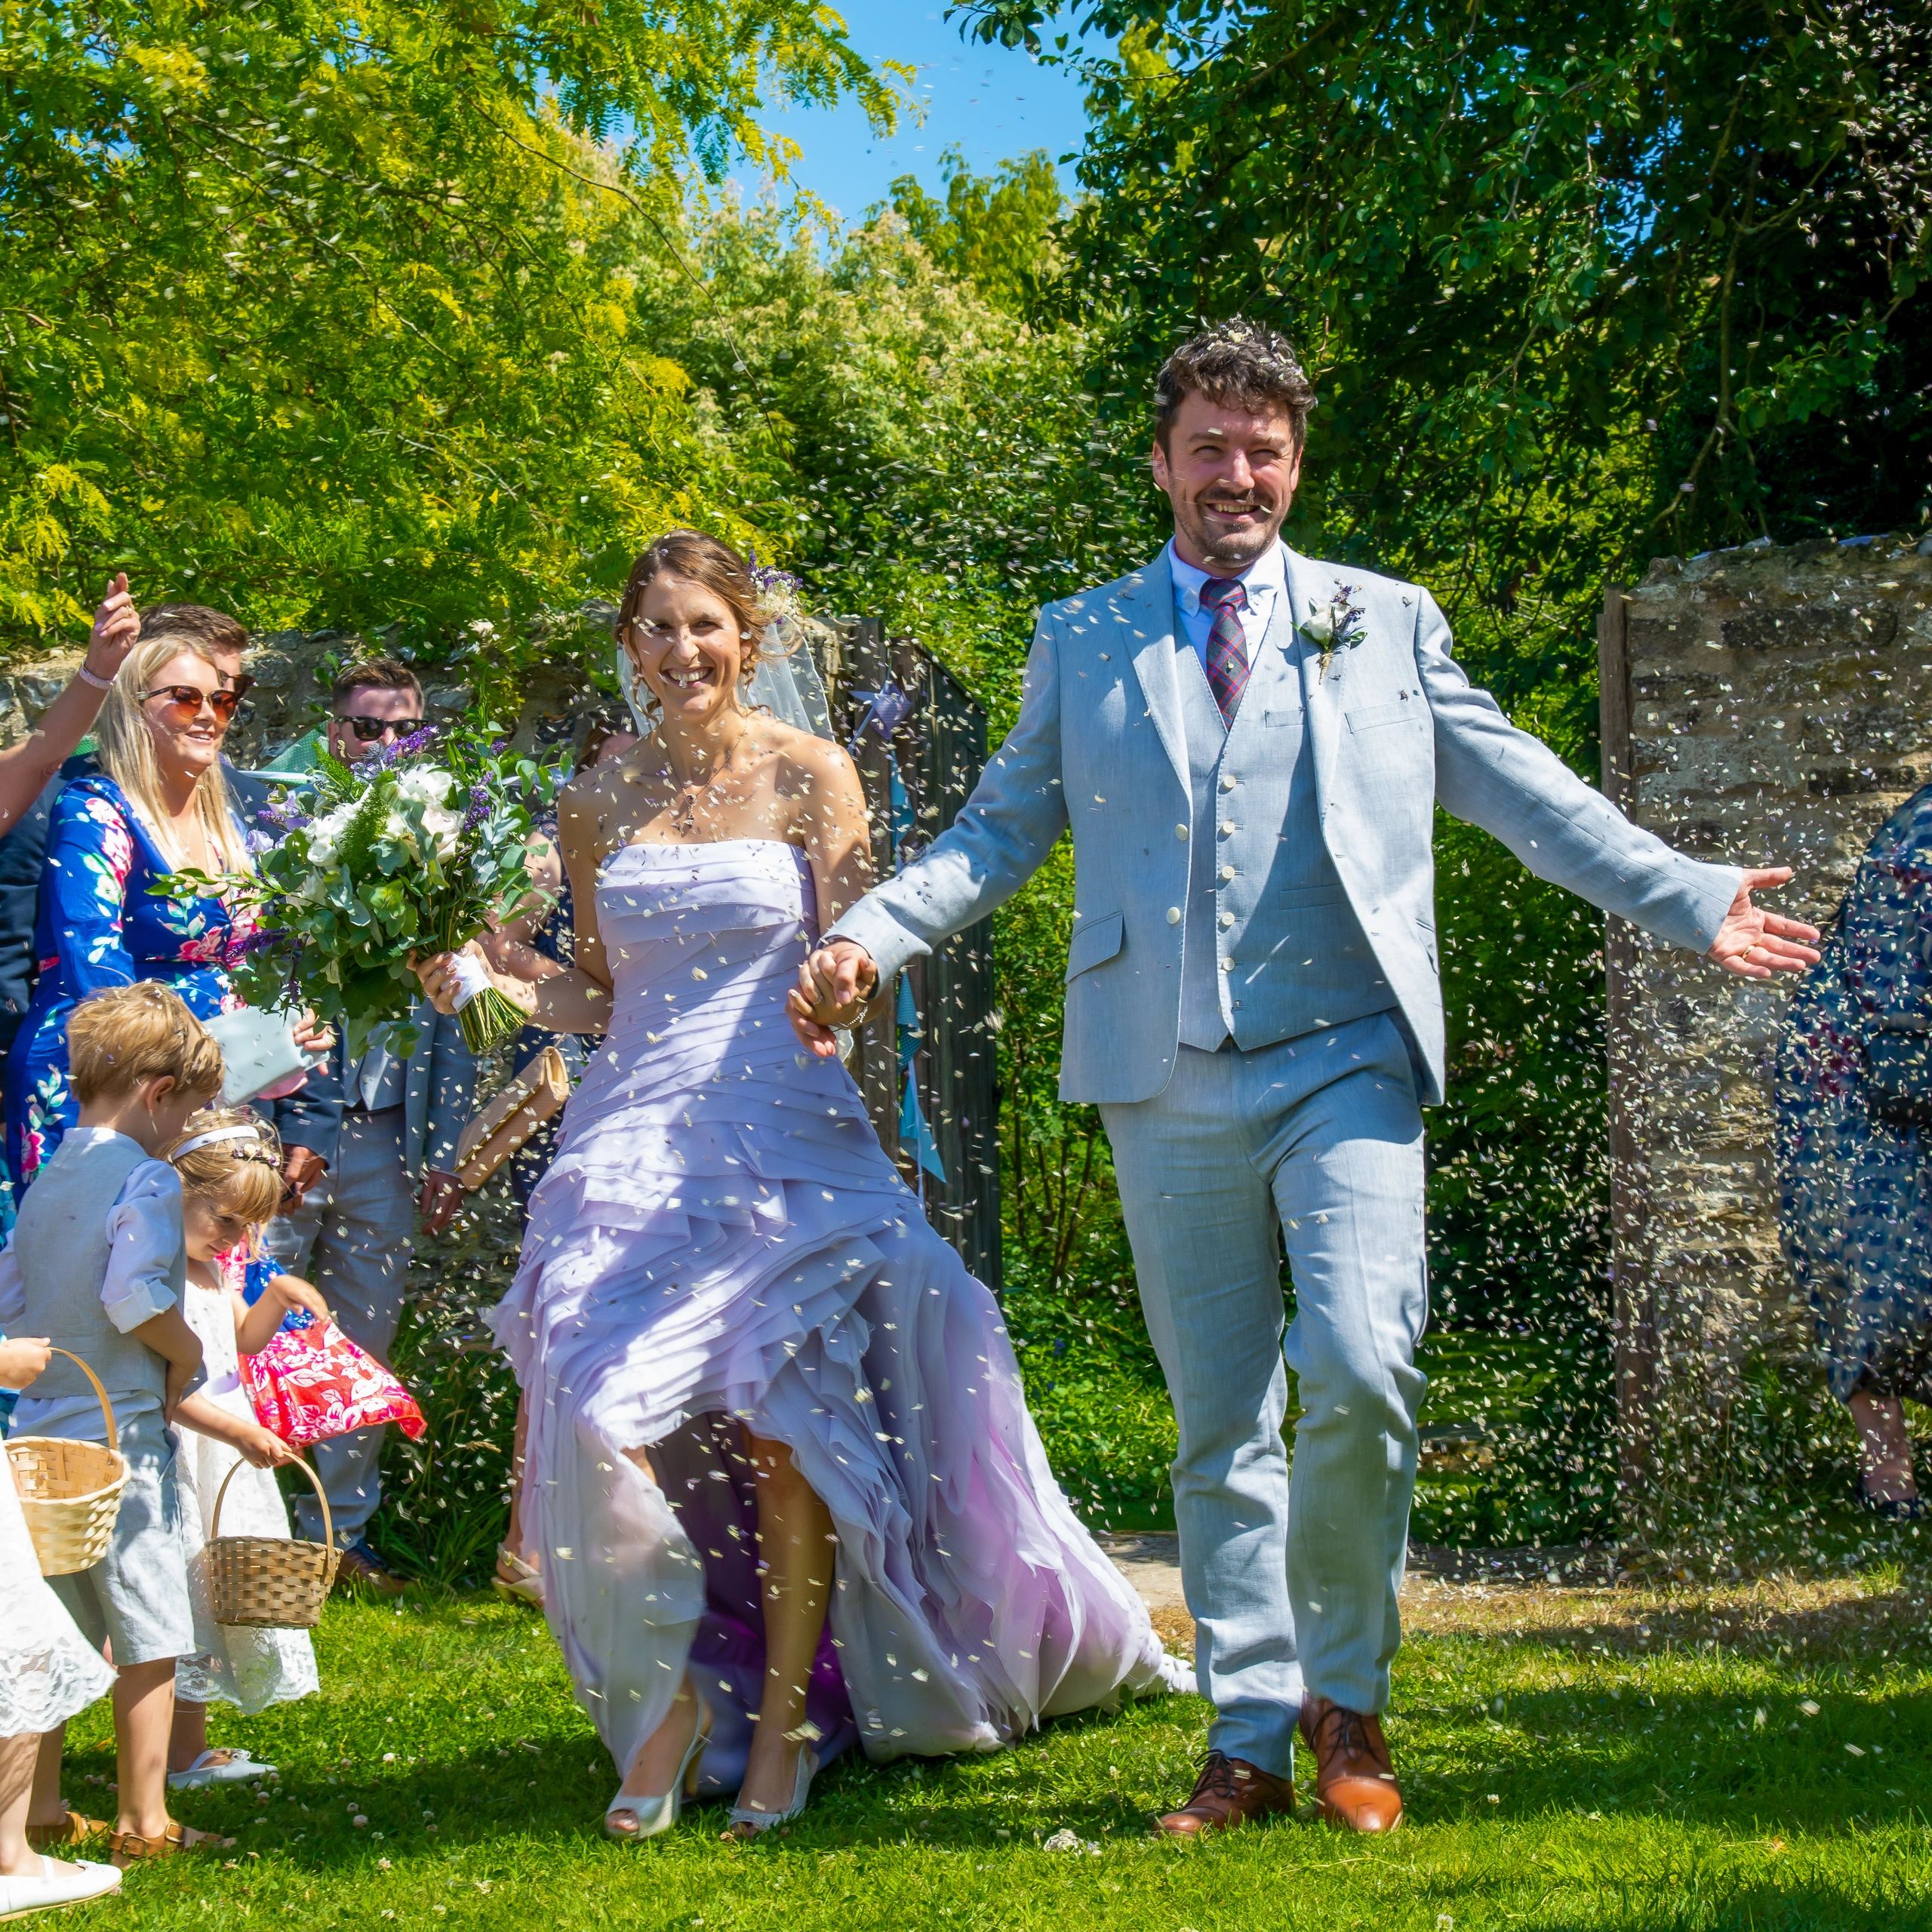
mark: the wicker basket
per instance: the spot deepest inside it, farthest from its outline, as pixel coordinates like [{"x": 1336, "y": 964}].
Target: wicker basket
[
  {"x": 70, "y": 1492},
  {"x": 270, "y": 1583}
]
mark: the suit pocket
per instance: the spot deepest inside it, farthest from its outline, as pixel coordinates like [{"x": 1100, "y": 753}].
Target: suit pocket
[
  {"x": 1312, "y": 895},
  {"x": 1094, "y": 941},
  {"x": 1377, "y": 716}
]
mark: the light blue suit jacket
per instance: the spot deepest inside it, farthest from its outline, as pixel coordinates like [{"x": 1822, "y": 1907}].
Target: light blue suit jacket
[{"x": 1392, "y": 726}]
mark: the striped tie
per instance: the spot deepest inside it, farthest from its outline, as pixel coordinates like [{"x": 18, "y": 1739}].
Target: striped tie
[{"x": 1227, "y": 643}]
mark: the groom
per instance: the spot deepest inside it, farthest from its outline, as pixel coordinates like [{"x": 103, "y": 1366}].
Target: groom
[{"x": 1248, "y": 747}]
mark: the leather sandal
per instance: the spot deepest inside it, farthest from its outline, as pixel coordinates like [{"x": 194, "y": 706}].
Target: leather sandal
[
  {"x": 72, "y": 1829},
  {"x": 127, "y": 1848}
]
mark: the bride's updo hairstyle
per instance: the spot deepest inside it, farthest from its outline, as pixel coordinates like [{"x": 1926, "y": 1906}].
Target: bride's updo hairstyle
[{"x": 701, "y": 560}]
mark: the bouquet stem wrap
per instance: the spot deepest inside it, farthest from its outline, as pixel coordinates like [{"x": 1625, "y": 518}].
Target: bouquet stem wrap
[{"x": 488, "y": 1020}]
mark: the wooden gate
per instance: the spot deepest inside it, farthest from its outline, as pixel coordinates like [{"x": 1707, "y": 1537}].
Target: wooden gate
[{"x": 938, "y": 748}]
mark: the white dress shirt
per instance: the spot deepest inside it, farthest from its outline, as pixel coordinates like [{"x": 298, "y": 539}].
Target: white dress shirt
[{"x": 1264, "y": 580}]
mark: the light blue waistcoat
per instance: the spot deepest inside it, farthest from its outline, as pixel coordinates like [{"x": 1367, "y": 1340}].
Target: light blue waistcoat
[{"x": 1263, "y": 894}]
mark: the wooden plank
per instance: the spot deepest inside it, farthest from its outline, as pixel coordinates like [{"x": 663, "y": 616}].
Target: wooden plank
[
  {"x": 941, "y": 748},
  {"x": 957, "y": 1067},
  {"x": 1633, "y": 1316},
  {"x": 875, "y": 1058}
]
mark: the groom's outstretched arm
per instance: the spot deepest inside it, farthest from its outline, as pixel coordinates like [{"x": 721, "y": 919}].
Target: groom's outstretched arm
[
  {"x": 1512, "y": 784},
  {"x": 1002, "y": 833}
]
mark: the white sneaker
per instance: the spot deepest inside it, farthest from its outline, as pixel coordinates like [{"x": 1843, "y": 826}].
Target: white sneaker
[
  {"x": 229, "y": 1764},
  {"x": 62, "y": 1882}
]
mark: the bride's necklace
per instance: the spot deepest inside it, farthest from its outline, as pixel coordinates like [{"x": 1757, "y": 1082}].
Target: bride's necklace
[{"x": 692, "y": 791}]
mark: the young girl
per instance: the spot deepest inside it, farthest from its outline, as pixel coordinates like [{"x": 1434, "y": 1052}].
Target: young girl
[
  {"x": 229, "y": 1161},
  {"x": 48, "y": 1673}
]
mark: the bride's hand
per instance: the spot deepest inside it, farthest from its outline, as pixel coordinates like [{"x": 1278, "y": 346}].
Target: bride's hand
[{"x": 437, "y": 970}]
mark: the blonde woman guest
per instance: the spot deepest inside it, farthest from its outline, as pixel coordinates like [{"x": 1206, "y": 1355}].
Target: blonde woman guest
[{"x": 158, "y": 804}]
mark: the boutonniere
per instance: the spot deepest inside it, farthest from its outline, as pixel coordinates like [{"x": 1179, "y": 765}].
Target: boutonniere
[{"x": 1337, "y": 628}]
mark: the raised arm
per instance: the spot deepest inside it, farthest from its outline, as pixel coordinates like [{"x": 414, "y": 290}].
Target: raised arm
[
  {"x": 1512, "y": 784},
  {"x": 26, "y": 768}
]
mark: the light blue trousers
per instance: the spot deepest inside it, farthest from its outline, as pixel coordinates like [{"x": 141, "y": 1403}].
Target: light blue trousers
[
  {"x": 352, "y": 1238},
  {"x": 1316, "y": 1142}
]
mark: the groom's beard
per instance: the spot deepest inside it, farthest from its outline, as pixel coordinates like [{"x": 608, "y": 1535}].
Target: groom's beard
[{"x": 1230, "y": 550}]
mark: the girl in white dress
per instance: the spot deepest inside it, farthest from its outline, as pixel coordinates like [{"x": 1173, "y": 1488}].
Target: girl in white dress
[
  {"x": 229, "y": 1161},
  {"x": 47, "y": 1674}
]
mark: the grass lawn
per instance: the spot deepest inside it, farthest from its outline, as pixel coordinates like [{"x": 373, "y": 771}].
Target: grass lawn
[{"x": 1754, "y": 1756}]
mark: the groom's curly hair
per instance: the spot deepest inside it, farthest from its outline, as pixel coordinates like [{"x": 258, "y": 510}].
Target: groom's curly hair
[{"x": 1239, "y": 365}]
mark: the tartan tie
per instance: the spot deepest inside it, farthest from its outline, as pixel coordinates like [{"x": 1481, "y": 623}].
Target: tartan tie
[{"x": 1227, "y": 643}]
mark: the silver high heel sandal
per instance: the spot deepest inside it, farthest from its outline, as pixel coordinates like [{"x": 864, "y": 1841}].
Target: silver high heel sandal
[
  {"x": 654, "y": 1815},
  {"x": 751, "y": 1824}
]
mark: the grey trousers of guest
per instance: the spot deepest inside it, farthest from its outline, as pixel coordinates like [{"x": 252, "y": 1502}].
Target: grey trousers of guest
[
  {"x": 352, "y": 1238},
  {"x": 1316, "y": 1142}
]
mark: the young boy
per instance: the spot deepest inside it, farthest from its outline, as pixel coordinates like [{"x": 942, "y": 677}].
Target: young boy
[{"x": 97, "y": 1265}]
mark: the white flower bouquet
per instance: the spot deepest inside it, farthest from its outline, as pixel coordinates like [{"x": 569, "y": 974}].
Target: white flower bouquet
[{"x": 416, "y": 851}]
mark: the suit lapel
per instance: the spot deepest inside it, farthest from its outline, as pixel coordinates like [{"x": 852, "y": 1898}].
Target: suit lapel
[
  {"x": 1148, "y": 606},
  {"x": 1320, "y": 695}
]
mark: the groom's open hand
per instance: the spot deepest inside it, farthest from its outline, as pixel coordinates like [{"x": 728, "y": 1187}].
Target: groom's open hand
[
  {"x": 834, "y": 985},
  {"x": 1753, "y": 943}
]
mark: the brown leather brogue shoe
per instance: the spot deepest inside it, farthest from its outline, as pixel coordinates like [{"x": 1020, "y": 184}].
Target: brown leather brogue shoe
[
  {"x": 1355, "y": 1783},
  {"x": 1229, "y": 1792}
]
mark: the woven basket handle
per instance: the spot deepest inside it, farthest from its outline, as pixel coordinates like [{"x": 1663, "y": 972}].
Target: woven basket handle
[
  {"x": 106, "y": 1407},
  {"x": 241, "y": 1463}
]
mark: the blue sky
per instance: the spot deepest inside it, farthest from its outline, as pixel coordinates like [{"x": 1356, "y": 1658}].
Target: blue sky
[{"x": 991, "y": 102}]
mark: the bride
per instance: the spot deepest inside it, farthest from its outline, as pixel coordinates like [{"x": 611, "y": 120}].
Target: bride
[{"x": 780, "y": 1470}]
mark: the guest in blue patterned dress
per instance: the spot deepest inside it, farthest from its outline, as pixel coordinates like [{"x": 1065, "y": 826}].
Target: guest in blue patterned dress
[
  {"x": 158, "y": 803},
  {"x": 1853, "y": 1142}
]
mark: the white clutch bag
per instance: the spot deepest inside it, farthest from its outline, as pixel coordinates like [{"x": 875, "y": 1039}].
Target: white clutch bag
[{"x": 259, "y": 1051}]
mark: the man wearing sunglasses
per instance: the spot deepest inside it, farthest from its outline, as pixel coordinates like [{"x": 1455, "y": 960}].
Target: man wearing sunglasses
[
  {"x": 350, "y": 1227},
  {"x": 376, "y": 704}
]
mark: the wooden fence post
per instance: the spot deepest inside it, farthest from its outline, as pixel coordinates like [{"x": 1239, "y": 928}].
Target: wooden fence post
[
  {"x": 1633, "y": 1318},
  {"x": 941, "y": 748}
]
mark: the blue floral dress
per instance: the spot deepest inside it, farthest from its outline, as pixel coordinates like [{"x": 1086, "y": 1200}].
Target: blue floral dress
[
  {"x": 98, "y": 925},
  {"x": 1855, "y": 1192}
]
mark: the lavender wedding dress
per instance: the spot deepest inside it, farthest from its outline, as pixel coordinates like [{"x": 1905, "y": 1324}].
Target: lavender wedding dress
[{"x": 721, "y": 1242}]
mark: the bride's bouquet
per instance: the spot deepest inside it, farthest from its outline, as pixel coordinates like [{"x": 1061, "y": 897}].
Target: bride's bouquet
[{"x": 417, "y": 851}]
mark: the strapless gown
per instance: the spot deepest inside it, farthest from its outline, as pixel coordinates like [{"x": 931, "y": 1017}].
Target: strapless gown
[{"x": 722, "y": 1244}]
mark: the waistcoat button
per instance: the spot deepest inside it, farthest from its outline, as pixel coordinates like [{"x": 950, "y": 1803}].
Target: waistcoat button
[
  {"x": 1173, "y": 916},
  {"x": 1180, "y": 831}
]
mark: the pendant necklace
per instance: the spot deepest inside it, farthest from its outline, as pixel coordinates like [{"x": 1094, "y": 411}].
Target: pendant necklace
[{"x": 684, "y": 807}]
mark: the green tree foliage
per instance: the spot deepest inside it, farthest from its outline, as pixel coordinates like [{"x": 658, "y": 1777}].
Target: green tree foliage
[
  {"x": 329, "y": 313},
  {"x": 1000, "y": 232}
]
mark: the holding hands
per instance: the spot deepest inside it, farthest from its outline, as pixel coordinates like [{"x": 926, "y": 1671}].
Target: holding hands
[{"x": 835, "y": 984}]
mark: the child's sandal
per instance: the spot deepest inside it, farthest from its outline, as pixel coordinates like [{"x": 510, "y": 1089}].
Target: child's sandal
[
  {"x": 72, "y": 1829},
  {"x": 127, "y": 1848}
]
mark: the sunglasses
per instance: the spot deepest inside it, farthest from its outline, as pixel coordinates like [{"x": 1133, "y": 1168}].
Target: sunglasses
[
  {"x": 184, "y": 703},
  {"x": 368, "y": 730}
]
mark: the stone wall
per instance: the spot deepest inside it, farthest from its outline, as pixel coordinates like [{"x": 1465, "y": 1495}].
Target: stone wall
[{"x": 1764, "y": 706}]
